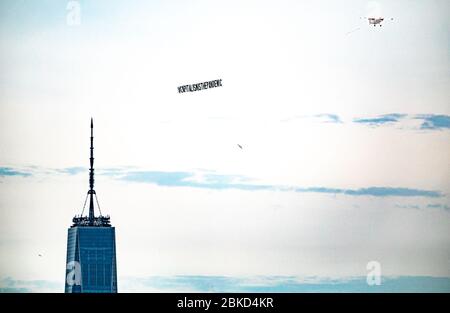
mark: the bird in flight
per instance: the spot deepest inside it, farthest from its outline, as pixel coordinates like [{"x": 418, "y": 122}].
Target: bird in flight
[{"x": 239, "y": 146}]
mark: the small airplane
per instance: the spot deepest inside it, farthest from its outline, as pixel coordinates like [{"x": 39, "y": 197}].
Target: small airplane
[
  {"x": 372, "y": 21},
  {"x": 376, "y": 20}
]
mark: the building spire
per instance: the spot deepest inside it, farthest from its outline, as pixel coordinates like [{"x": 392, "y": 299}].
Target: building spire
[
  {"x": 91, "y": 220},
  {"x": 91, "y": 176}
]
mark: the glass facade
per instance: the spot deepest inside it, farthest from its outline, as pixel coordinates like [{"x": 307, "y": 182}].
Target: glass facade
[{"x": 91, "y": 254}]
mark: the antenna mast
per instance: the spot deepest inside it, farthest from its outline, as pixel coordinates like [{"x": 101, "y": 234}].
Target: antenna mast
[
  {"x": 91, "y": 220},
  {"x": 91, "y": 191}
]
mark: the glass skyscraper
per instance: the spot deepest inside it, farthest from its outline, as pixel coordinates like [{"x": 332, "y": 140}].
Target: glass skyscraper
[{"x": 91, "y": 248}]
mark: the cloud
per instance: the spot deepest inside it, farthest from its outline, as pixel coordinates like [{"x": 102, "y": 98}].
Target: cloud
[
  {"x": 210, "y": 180},
  {"x": 408, "y": 206},
  {"x": 196, "y": 283},
  {"x": 32, "y": 170},
  {"x": 438, "y": 206},
  {"x": 72, "y": 170},
  {"x": 290, "y": 284},
  {"x": 10, "y": 285},
  {"x": 184, "y": 179},
  {"x": 323, "y": 117},
  {"x": 190, "y": 179},
  {"x": 380, "y": 119},
  {"x": 329, "y": 118},
  {"x": 375, "y": 191},
  {"x": 428, "y": 121},
  {"x": 428, "y": 206},
  {"x": 8, "y": 171},
  {"x": 432, "y": 121}
]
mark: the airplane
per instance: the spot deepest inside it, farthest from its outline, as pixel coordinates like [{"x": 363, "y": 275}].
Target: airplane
[{"x": 376, "y": 20}]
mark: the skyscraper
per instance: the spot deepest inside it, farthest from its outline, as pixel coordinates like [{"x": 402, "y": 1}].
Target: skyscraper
[{"x": 91, "y": 247}]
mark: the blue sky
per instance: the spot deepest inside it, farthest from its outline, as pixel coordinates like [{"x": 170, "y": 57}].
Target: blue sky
[{"x": 344, "y": 129}]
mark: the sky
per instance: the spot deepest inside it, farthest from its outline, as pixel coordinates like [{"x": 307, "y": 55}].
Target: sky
[{"x": 344, "y": 129}]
